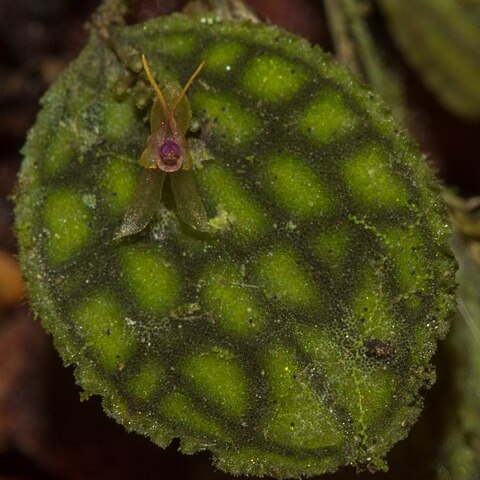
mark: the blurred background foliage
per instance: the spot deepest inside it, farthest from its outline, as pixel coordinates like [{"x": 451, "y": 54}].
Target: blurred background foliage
[{"x": 423, "y": 56}]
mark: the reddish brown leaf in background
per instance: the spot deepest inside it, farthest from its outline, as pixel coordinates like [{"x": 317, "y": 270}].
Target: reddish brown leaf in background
[
  {"x": 302, "y": 17},
  {"x": 141, "y": 10},
  {"x": 23, "y": 345}
]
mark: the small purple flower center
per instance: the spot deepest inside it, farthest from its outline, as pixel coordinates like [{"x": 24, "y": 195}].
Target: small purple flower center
[{"x": 169, "y": 152}]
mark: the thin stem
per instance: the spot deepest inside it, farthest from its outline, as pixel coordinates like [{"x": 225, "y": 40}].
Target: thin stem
[
  {"x": 366, "y": 48},
  {"x": 344, "y": 47},
  {"x": 356, "y": 46}
]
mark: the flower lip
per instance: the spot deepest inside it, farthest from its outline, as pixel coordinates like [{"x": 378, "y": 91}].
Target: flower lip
[
  {"x": 169, "y": 156},
  {"x": 169, "y": 151}
]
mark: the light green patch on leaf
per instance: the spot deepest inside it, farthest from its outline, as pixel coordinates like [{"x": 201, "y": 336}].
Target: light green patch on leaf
[
  {"x": 60, "y": 152},
  {"x": 222, "y": 57},
  {"x": 153, "y": 280},
  {"x": 119, "y": 181},
  {"x": 120, "y": 119},
  {"x": 66, "y": 219},
  {"x": 328, "y": 118},
  {"x": 283, "y": 276},
  {"x": 296, "y": 187},
  {"x": 178, "y": 408},
  {"x": 177, "y": 44},
  {"x": 147, "y": 381},
  {"x": 227, "y": 118},
  {"x": 221, "y": 380},
  {"x": 229, "y": 297},
  {"x": 221, "y": 187},
  {"x": 273, "y": 79},
  {"x": 371, "y": 181},
  {"x": 100, "y": 322}
]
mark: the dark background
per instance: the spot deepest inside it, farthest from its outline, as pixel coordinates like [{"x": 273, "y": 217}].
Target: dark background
[{"x": 45, "y": 431}]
